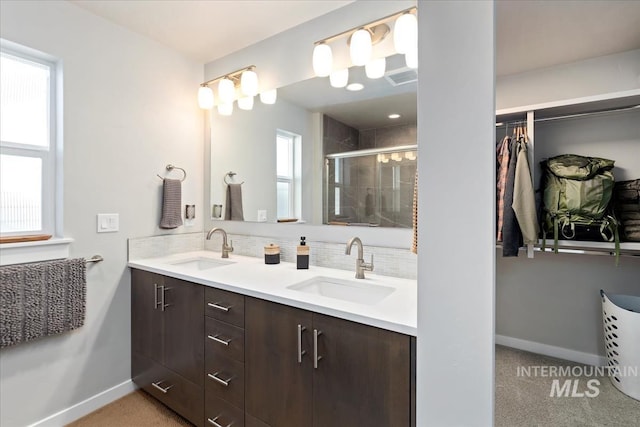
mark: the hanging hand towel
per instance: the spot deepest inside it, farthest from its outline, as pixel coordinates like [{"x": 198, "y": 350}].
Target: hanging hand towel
[
  {"x": 414, "y": 217},
  {"x": 41, "y": 299},
  {"x": 171, "y": 202},
  {"x": 233, "y": 209}
]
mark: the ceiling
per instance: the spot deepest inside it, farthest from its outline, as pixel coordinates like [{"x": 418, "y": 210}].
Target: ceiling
[{"x": 530, "y": 34}]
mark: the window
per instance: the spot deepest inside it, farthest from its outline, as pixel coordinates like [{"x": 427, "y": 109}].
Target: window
[
  {"x": 27, "y": 144},
  {"x": 288, "y": 175}
]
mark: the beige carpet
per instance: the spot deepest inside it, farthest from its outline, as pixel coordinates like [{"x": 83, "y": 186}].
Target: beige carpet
[
  {"x": 137, "y": 409},
  {"x": 520, "y": 401}
]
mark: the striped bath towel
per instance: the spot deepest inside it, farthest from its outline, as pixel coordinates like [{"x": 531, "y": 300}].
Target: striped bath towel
[{"x": 41, "y": 299}]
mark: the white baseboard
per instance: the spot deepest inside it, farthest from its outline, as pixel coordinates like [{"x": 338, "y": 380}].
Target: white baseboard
[
  {"x": 87, "y": 406},
  {"x": 552, "y": 351}
]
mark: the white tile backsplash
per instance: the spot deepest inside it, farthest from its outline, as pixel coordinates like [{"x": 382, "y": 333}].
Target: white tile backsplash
[{"x": 387, "y": 261}]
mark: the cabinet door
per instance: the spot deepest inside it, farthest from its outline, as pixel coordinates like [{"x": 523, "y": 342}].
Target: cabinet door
[
  {"x": 363, "y": 375},
  {"x": 278, "y": 389},
  {"x": 146, "y": 316},
  {"x": 184, "y": 328}
]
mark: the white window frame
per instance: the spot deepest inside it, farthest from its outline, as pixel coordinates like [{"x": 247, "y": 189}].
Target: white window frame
[
  {"x": 293, "y": 180},
  {"x": 58, "y": 246}
]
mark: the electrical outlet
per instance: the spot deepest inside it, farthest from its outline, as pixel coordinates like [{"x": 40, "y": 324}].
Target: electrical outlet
[{"x": 262, "y": 215}]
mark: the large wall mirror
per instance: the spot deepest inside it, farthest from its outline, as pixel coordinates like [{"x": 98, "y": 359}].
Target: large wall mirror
[{"x": 323, "y": 155}]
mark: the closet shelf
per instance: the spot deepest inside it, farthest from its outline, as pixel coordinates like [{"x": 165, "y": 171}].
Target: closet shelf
[{"x": 588, "y": 248}]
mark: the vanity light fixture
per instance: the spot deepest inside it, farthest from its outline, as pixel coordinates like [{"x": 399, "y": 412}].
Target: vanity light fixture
[
  {"x": 269, "y": 96},
  {"x": 411, "y": 58},
  {"x": 375, "y": 68},
  {"x": 362, "y": 38},
  {"x": 405, "y": 33},
  {"x": 205, "y": 97},
  {"x": 339, "y": 78},
  {"x": 354, "y": 87},
  {"x": 241, "y": 84},
  {"x": 225, "y": 109},
  {"x": 245, "y": 103},
  {"x": 226, "y": 90}
]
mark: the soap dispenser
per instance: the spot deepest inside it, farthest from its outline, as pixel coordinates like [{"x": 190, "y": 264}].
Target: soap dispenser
[{"x": 303, "y": 254}]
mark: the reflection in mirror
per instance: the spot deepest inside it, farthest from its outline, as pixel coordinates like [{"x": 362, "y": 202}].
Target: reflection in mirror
[{"x": 285, "y": 152}]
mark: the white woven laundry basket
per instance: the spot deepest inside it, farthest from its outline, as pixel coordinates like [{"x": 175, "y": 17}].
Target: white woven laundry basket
[{"x": 621, "y": 317}]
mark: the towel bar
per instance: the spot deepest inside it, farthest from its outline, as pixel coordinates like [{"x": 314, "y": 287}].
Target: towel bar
[{"x": 95, "y": 258}]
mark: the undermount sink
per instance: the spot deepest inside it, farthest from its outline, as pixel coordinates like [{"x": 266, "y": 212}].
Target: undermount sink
[
  {"x": 359, "y": 291},
  {"x": 201, "y": 263}
]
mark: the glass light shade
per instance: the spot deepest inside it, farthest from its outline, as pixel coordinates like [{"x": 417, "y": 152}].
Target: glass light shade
[
  {"x": 269, "y": 96},
  {"x": 245, "y": 103},
  {"x": 396, "y": 157},
  {"x": 354, "y": 87},
  {"x": 205, "y": 98},
  {"x": 226, "y": 91},
  {"x": 360, "y": 48},
  {"x": 322, "y": 60},
  {"x": 225, "y": 108},
  {"x": 405, "y": 33},
  {"x": 249, "y": 83},
  {"x": 375, "y": 68},
  {"x": 339, "y": 78},
  {"x": 411, "y": 58}
]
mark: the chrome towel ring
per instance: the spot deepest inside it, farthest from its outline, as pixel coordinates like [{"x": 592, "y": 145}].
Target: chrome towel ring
[
  {"x": 230, "y": 175},
  {"x": 171, "y": 167}
]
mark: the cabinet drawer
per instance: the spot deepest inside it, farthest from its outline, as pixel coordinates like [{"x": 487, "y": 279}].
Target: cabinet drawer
[
  {"x": 224, "y": 378},
  {"x": 176, "y": 392},
  {"x": 223, "y": 339},
  {"x": 218, "y": 413},
  {"x": 225, "y": 306}
]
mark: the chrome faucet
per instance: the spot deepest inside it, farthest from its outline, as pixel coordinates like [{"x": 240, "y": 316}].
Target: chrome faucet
[
  {"x": 361, "y": 266},
  {"x": 226, "y": 248}
]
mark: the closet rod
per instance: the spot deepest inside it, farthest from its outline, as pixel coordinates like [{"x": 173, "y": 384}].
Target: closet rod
[{"x": 591, "y": 113}]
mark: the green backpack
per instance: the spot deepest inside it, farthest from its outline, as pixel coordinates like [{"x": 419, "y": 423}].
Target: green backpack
[{"x": 577, "y": 192}]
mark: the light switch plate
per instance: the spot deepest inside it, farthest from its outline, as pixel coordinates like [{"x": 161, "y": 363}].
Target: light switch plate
[
  {"x": 262, "y": 215},
  {"x": 108, "y": 223}
]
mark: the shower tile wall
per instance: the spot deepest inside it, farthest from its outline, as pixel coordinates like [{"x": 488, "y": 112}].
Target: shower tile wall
[{"x": 384, "y": 197}]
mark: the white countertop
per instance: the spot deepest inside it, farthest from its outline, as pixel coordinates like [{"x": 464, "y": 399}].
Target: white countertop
[{"x": 252, "y": 277}]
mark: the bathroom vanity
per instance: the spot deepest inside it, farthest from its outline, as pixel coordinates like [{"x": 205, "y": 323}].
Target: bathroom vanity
[{"x": 237, "y": 342}]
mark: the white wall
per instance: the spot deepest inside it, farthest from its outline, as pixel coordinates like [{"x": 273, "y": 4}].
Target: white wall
[
  {"x": 595, "y": 76},
  {"x": 129, "y": 109},
  {"x": 249, "y": 138},
  {"x": 455, "y": 258}
]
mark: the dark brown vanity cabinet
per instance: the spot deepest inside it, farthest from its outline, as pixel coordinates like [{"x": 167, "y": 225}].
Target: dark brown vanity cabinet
[
  {"x": 308, "y": 369},
  {"x": 167, "y": 349},
  {"x": 219, "y": 358},
  {"x": 224, "y": 358}
]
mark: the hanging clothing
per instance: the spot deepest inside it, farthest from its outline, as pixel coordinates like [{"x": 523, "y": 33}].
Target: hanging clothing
[
  {"x": 524, "y": 202},
  {"x": 502, "y": 167},
  {"x": 511, "y": 235}
]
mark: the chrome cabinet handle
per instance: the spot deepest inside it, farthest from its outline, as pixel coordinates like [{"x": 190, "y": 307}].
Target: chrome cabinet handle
[
  {"x": 162, "y": 303},
  {"x": 316, "y": 358},
  {"x": 220, "y": 340},
  {"x": 213, "y": 421},
  {"x": 155, "y": 296},
  {"x": 301, "y": 352},
  {"x": 215, "y": 377},
  {"x": 219, "y": 307},
  {"x": 157, "y": 385}
]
